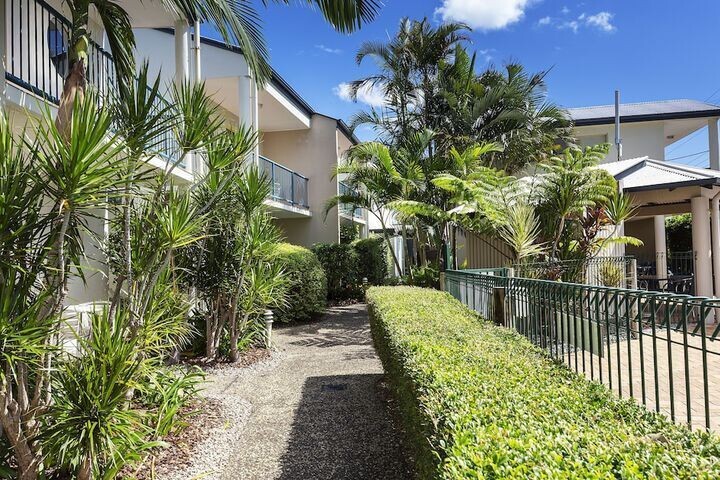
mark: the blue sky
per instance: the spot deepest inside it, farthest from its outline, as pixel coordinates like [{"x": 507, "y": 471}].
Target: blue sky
[{"x": 649, "y": 49}]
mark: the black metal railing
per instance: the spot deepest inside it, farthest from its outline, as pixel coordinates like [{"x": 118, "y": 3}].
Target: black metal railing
[
  {"x": 678, "y": 275},
  {"x": 662, "y": 349},
  {"x": 37, "y": 46},
  {"x": 286, "y": 186}
]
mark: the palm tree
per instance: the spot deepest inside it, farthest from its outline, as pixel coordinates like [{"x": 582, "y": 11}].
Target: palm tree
[
  {"x": 237, "y": 21},
  {"x": 408, "y": 68}
]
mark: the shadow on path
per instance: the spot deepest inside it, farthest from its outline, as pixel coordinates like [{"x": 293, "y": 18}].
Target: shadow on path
[{"x": 342, "y": 430}]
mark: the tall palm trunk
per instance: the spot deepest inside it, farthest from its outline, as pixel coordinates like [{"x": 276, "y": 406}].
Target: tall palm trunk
[{"x": 73, "y": 90}]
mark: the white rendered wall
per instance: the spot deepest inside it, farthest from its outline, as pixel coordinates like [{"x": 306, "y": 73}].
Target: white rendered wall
[{"x": 638, "y": 139}]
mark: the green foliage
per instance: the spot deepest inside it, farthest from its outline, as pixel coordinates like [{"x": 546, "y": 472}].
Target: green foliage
[
  {"x": 372, "y": 259},
  {"x": 349, "y": 232},
  {"x": 679, "y": 233},
  {"x": 340, "y": 262},
  {"x": 480, "y": 401},
  {"x": 307, "y": 283},
  {"x": 427, "y": 276},
  {"x": 90, "y": 428},
  {"x": 165, "y": 392}
]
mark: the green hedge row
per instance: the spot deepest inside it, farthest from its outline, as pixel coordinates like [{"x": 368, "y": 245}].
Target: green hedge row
[
  {"x": 307, "y": 291},
  {"x": 480, "y": 401},
  {"x": 346, "y": 264}
]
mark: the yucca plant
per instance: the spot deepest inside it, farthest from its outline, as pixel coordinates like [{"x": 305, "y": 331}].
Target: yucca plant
[{"x": 90, "y": 431}]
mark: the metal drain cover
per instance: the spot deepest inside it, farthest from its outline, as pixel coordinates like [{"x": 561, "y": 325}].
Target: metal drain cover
[{"x": 333, "y": 387}]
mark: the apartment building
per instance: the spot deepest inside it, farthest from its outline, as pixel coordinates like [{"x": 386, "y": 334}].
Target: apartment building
[{"x": 299, "y": 148}]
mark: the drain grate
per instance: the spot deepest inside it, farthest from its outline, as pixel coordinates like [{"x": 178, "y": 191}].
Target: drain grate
[{"x": 333, "y": 387}]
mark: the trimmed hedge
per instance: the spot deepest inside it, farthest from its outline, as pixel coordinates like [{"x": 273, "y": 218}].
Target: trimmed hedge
[
  {"x": 480, "y": 401},
  {"x": 372, "y": 259},
  {"x": 307, "y": 291},
  {"x": 340, "y": 262}
]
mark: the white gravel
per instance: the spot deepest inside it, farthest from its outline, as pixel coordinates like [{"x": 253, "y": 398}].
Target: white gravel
[{"x": 212, "y": 455}]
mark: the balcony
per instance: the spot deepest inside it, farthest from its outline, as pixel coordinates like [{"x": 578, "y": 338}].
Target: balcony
[
  {"x": 286, "y": 186},
  {"x": 348, "y": 210},
  {"x": 37, "y": 42}
]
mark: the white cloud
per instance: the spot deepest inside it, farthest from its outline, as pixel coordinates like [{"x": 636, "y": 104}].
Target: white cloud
[
  {"x": 483, "y": 14},
  {"x": 328, "y": 49},
  {"x": 487, "y": 54},
  {"x": 565, "y": 10},
  {"x": 368, "y": 94},
  {"x": 602, "y": 21}
]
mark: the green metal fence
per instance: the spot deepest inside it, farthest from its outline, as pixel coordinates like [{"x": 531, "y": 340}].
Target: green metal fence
[
  {"x": 601, "y": 271},
  {"x": 662, "y": 349}
]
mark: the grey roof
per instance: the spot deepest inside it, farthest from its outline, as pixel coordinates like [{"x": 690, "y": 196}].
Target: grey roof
[
  {"x": 643, "y": 112},
  {"x": 643, "y": 173}
]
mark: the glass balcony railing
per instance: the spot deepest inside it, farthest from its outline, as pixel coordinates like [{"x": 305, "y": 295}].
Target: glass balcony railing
[
  {"x": 37, "y": 43},
  {"x": 346, "y": 209},
  {"x": 286, "y": 186}
]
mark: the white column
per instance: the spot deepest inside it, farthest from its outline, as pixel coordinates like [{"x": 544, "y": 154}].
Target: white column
[
  {"x": 182, "y": 55},
  {"x": 713, "y": 145},
  {"x": 248, "y": 106},
  {"x": 701, "y": 246},
  {"x": 3, "y": 52},
  {"x": 715, "y": 224},
  {"x": 660, "y": 249},
  {"x": 197, "y": 77}
]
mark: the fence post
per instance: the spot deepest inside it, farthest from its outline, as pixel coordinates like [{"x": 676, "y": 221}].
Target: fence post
[
  {"x": 442, "y": 282},
  {"x": 499, "y": 306},
  {"x": 634, "y": 306}
]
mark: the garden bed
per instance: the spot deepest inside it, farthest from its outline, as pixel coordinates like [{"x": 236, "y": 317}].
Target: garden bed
[{"x": 480, "y": 401}]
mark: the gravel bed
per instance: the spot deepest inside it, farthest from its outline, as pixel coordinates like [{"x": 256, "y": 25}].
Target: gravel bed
[{"x": 210, "y": 456}]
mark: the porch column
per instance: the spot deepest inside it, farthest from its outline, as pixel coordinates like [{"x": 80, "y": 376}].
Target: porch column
[
  {"x": 3, "y": 53},
  {"x": 248, "y": 105},
  {"x": 182, "y": 55},
  {"x": 660, "y": 249},
  {"x": 715, "y": 224},
  {"x": 701, "y": 246},
  {"x": 197, "y": 71},
  {"x": 713, "y": 145}
]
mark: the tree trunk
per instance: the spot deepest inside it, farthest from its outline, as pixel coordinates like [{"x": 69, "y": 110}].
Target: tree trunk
[
  {"x": 85, "y": 470},
  {"x": 73, "y": 90}
]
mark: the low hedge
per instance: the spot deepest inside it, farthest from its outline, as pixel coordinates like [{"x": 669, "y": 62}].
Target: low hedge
[
  {"x": 340, "y": 261},
  {"x": 307, "y": 291},
  {"x": 480, "y": 401},
  {"x": 372, "y": 259}
]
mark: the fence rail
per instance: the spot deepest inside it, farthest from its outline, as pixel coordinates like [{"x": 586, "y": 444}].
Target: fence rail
[{"x": 661, "y": 349}]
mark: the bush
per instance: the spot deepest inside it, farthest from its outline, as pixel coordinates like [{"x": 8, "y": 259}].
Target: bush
[
  {"x": 372, "y": 259},
  {"x": 307, "y": 289},
  {"x": 480, "y": 401},
  {"x": 340, "y": 262}
]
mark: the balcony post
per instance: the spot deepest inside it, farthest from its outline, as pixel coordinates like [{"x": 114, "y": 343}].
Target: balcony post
[
  {"x": 182, "y": 55},
  {"x": 3, "y": 53}
]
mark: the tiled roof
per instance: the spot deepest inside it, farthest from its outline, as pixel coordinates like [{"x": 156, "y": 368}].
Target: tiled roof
[{"x": 645, "y": 111}]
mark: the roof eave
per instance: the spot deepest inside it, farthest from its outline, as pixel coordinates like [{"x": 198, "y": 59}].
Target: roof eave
[{"x": 647, "y": 118}]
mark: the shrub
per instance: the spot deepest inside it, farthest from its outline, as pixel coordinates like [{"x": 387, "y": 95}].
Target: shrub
[
  {"x": 307, "y": 288},
  {"x": 372, "y": 259},
  {"x": 340, "y": 262},
  {"x": 480, "y": 401}
]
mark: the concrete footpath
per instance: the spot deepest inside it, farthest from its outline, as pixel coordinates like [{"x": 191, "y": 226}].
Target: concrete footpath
[{"x": 321, "y": 409}]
